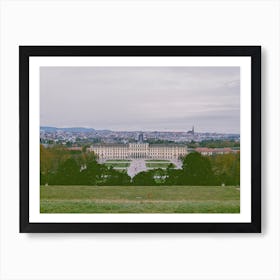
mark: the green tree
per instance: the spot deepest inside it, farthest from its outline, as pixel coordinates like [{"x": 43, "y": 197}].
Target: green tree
[
  {"x": 93, "y": 174},
  {"x": 197, "y": 170},
  {"x": 174, "y": 177},
  {"x": 227, "y": 168},
  {"x": 68, "y": 173},
  {"x": 144, "y": 178},
  {"x": 46, "y": 163},
  {"x": 116, "y": 178}
]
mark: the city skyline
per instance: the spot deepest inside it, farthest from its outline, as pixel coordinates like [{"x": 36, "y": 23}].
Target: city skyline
[
  {"x": 141, "y": 98},
  {"x": 136, "y": 131}
]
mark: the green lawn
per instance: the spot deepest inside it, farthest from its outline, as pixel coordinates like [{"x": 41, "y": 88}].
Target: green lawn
[
  {"x": 139, "y": 199},
  {"x": 117, "y": 164},
  {"x": 159, "y": 165}
]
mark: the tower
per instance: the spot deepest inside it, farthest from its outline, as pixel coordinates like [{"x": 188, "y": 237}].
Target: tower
[
  {"x": 140, "y": 138},
  {"x": 191, "y": 132}
]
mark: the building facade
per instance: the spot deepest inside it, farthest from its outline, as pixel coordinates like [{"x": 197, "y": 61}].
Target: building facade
[{"x": 138, "y": 150}]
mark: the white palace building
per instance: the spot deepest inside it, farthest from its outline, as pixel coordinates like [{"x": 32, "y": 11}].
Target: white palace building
[{"x": 138, "y": 150}]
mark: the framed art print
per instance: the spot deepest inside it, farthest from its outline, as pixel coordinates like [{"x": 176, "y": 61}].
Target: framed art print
[{"x": 140, "y": 138}]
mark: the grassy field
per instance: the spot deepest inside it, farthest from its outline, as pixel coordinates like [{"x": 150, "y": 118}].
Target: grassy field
[
  {"x": 159, "y": 164},
  {"x": 117, "y": 164},
  {"x": 139, "y": 199}
]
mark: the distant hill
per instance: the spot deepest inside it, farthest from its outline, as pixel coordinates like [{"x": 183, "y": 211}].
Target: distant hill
[{"x": 66, "y": 129}]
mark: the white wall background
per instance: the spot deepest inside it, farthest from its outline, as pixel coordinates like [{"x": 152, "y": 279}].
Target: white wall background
[{"x": 139, "y": 256}]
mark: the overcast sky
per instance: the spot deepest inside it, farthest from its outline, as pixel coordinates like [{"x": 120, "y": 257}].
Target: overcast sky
[{"x": 141, "y": 98}]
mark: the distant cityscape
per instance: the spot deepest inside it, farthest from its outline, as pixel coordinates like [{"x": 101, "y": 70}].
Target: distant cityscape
[{"x": 79, "y": 136}]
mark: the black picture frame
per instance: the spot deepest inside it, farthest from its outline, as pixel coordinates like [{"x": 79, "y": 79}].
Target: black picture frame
[{"x": 25, "y": 52}]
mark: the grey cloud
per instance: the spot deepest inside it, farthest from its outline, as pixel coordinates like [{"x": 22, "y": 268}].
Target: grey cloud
[{"x": 129, "y": 98}]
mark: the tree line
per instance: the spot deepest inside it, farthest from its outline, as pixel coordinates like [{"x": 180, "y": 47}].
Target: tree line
[
  {"x": 59, "y": 166},
  {"x": 215, "y": 144}
]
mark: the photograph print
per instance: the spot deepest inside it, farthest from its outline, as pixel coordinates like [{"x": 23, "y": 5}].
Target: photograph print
[
  {"x": 142, "y": 139},
  {"x": 139, "y": 139}
]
